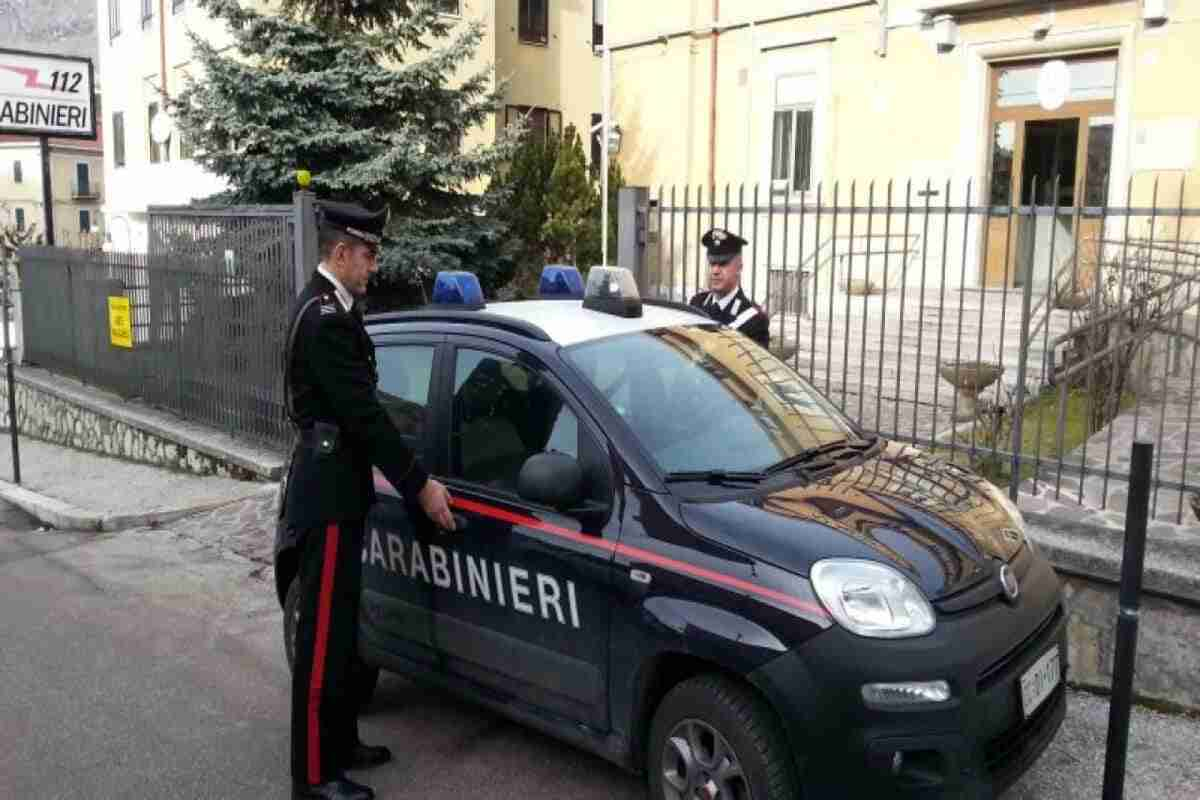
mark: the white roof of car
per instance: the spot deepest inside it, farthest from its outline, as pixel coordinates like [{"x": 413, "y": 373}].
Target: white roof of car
[{"x": 567, "y": 322}]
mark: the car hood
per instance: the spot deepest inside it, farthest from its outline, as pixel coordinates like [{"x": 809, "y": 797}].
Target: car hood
[{"x": 935, "y": 522}]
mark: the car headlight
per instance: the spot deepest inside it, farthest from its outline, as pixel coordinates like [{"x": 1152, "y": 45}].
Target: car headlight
[{"x": 872, "y": 599}]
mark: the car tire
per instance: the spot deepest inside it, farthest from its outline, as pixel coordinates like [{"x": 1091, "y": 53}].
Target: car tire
[
  {"x": 712, "y": 737},
  {"x": 363, "y": 677}
]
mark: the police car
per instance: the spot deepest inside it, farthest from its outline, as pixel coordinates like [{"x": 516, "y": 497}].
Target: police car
[{"x": 672, "y": 551}]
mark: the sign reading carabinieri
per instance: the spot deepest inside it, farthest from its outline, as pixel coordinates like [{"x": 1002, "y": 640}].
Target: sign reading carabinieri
[{"x": 44, "y": 94}]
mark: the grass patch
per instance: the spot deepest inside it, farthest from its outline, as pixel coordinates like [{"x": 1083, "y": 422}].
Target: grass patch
[{"x": 1039, "y": 436}]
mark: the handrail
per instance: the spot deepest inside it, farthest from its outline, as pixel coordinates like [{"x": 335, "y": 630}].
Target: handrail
[
  {"x": 1036, "y": 329},
  {"x": 1087, "y": 362},
  {"x": 1121, "y": 309}
]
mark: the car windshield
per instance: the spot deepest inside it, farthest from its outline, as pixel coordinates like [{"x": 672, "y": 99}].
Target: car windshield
[{"x": 705, "y": 398}]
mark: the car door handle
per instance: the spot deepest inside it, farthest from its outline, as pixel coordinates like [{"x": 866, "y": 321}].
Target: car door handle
[{"x": 460, "y": 522}]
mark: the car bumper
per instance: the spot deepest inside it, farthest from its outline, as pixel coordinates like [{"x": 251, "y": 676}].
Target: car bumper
[{"x": 972, "y": 746}]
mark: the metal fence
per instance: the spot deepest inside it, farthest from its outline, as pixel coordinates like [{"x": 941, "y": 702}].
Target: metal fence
[
  {"x": 990, "y": 332},
  {"x": 208, "y": 308}
]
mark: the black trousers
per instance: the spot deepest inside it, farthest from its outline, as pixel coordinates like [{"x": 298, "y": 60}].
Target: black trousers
[{"x": 324, "y": 710}]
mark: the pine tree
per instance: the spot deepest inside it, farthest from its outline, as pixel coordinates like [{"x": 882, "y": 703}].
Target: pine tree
[
  {"x": 523, "y": 185},
  {"x": 363, "y": 96},
  {"x": 570, "y": 224}
]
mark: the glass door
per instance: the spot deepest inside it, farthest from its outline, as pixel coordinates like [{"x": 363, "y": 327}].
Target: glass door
[{"x": 1051, "y": 146}]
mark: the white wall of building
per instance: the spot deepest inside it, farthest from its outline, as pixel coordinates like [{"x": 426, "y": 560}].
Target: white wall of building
[{"x": 131, "y": 60}]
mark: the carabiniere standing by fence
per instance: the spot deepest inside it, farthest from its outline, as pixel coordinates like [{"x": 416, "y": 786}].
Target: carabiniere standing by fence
[{"x": 947, "y": 317}]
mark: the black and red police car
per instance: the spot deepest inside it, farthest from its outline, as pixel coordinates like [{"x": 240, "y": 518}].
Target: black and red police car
[{"x": 674, "y": 552}]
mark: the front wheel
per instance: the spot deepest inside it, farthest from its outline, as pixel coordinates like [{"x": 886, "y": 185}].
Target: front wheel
[
  {"x": 714, "y": 739},
  {"x": 363, "y": 677}
]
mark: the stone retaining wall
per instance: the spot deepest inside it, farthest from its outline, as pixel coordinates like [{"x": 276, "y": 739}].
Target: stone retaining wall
[
  {"x": 45, "y": 415},
  {"x": 1165, "y": 670}
]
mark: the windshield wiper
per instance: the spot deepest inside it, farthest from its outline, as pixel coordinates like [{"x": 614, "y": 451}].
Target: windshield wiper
[
  {"x": 717, "y": 477},
  {"x": 812, "y": 454}
]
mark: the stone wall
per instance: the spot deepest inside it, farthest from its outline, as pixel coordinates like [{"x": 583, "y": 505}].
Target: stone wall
[
  {"x": 1165, "y": 670},
  {"x": 45, "y": 415}
]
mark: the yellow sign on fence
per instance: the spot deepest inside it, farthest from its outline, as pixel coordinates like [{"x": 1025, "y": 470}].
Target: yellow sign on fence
[{"x": 120, "y": 325}]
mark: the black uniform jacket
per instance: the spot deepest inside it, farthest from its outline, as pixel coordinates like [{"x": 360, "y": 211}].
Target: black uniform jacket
[
  {"x": 741, "y": 314},
  {"x": 333, "y": 380}
]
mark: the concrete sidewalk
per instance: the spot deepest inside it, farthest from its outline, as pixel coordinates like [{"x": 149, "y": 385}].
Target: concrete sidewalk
[{"x": 76, "y": 490}]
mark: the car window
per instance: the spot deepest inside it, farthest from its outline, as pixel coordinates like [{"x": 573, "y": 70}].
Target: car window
[
  {"x": 701, "y": 398},
  {"x": 503, "y": 413},
  {"x": 405, "y": 373}
]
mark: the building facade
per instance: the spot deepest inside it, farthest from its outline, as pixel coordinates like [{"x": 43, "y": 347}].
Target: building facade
[
  {"x": 793, "y": 97},
  {"x": 76, "y": 183},
  {"x": 542, "y": 47}
]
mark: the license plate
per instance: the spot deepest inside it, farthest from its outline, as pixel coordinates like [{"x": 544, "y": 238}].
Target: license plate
[{"x": 1039, "y": 680}]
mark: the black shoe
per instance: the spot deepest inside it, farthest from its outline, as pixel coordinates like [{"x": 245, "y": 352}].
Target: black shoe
[
  {"x": 365, "y": 756},
  {"x": 337, "y": 789}
]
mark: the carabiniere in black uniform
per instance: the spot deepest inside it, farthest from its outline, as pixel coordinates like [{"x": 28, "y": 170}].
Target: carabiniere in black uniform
[
  {"x": 739, "y": 311},
  {"x": 343, "y": 430}
]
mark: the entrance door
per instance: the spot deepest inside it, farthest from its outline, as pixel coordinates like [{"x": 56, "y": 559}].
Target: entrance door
[{"x": 1032, "y": 148}]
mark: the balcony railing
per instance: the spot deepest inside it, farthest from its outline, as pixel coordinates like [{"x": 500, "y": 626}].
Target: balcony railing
[{"x": 86, "y": 191}]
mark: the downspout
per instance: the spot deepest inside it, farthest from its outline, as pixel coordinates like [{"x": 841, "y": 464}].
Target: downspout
[
  {"x": 881, "y": 48},
  {"x": 712, "y": 101},
  {"x": 605, "y": 122},
  {"x": 162, "y": 49},
  {"x": 750, "y": 77}
]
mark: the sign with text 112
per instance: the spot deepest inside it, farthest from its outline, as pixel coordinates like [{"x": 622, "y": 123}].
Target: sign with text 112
[{"x": 46, "y": 94}]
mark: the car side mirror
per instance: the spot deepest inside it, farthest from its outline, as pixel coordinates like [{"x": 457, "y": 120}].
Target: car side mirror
[{"x": 551, "y": 479}]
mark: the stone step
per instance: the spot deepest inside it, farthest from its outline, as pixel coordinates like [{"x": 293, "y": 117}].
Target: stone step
[
  {"x": 903, "y": 355},
  {"x": 912, "y": 316}
]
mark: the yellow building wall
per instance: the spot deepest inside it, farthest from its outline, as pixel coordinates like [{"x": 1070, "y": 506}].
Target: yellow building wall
[
  {"x": 27, "y": 195},
  {"x": 563, "y": 75},
  {"x": 29, "y": 190},
  {"x": 908, "y": 114},
  {"x": 481, "y": 11},
  {"x": 913, "y": 113}
]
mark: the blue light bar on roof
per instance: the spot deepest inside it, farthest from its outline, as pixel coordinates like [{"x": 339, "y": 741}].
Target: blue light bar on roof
[
  {"x": 459, "y": 290},
  {"x": 560, "y": 282}
]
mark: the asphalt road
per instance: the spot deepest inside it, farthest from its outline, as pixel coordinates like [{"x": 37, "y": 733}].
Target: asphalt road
[{"x": 149, "y": 664}]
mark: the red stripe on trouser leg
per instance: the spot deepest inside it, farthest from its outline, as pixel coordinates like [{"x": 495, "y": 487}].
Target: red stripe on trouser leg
[{"x": 317, "y": 678}]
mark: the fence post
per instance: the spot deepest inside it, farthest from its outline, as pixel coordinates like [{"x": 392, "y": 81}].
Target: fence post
[
  {"x": 631, "y": 232},
  {"x": 8, "y": 373},
  {"x": 1136, "y": 516},
  {"x": 305, "y": 210},
  {"x": 1022, "y": 372}
]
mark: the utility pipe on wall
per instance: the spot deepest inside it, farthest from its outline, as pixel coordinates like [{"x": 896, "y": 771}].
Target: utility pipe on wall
[
  {"x": 162, "y": 48},
  {"x": 750, "y": 77},
  {"x": 605, "y": 123},
  {"x": 671, "y": 33},
  {"x": 712, "y": 98}
]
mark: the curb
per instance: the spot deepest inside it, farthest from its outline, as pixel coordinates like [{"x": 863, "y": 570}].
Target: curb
[
  {"x": 1171, "y": 569},
  {"x": 261, "y": 461},
  {"x": 64, "y": 516}
]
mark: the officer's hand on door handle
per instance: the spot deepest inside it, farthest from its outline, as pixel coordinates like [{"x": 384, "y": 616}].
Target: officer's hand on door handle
[{"x": 435, "y": 502}]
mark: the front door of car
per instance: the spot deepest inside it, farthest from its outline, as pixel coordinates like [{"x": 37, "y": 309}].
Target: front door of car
[
  {"x": 525, "y": 590},
  {"x": 396, "y": 609}
]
